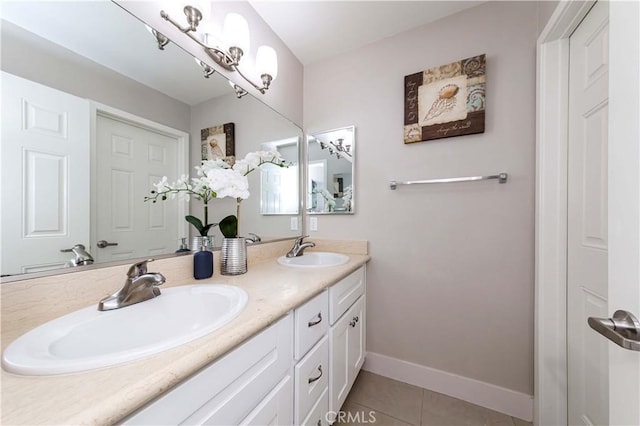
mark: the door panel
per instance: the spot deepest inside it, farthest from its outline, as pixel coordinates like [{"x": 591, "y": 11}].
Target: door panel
[
  {"x": 47, "y": 191},
  {"x": 130, "y": 159},
  {"x": 587, "y": 242},
  {"x": 624, "y": 204}
]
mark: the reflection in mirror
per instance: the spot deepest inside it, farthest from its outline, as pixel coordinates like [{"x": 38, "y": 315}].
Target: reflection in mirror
[
  {"x": 279, "y": 186},
  {"x": 330, "y": 186},
  {"x": 107, "y": 59}
]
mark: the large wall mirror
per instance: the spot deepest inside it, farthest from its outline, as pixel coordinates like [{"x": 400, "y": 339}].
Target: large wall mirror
[
  {"x": 144, "y": 102},
  {"x": 330, "y": 184}
]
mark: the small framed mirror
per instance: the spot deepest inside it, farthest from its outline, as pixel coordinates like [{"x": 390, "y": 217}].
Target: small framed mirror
[{"x": 330, "y": 185}]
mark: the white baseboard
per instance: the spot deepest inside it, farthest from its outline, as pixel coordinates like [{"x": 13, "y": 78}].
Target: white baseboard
[{"x": 494, "y": 397}]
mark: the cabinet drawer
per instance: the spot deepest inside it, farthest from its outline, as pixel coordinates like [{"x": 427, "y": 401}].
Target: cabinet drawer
[
  {"x": 344, "y": 293},
  {"x": 318, "y": 414},
  {"x": 276, "y": 409},
  {"x": 311, "y": 378},
  {"x": 311, "y": 323},
  {"x": 226, "y": 391}
]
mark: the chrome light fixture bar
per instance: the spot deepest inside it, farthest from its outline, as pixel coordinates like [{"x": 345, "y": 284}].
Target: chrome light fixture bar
[
  {"x": 228, "y": 59},
  {"x": 160, "y": 38},
  {"x": 240, "y": 92},
  {"x": 339, "y": 148},
  {"x": 206, "y": 69}
]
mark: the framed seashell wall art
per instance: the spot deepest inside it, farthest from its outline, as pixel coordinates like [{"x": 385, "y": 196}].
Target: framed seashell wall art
[
  {"x": 445, "y": 101},
  {"x": 219, "y": 142}
]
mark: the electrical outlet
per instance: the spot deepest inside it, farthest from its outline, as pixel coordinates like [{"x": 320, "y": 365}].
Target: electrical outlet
[
  {"x": 294, "y": 223},
  {"x": 313, "y": 223}
]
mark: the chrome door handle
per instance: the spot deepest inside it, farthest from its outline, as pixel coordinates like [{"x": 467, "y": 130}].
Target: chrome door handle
[
  {"x": 318, "y": 321},
  {"x": 104, "y": 243},
  {"x": 623, "y": 329}
]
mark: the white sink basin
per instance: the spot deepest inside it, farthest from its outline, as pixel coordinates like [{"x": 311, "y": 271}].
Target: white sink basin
[
  {"x": 314, "y": 259},
  {"x": 88, "y": 338}
]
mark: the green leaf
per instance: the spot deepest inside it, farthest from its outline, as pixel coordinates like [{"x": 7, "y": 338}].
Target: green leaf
[
  {"x": 205, "y": 229},
  {"x": 229, "y": 226},
  {"x": 197, "y": 223}
]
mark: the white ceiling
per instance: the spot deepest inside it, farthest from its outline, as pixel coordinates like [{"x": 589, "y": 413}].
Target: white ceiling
[{"x": 316, "y": 30}]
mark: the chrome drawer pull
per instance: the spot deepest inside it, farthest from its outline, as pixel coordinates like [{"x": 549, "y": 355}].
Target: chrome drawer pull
[
  {"x": 318, "y": 321},
  {"x": 354, "y": 321},
  {"x": 315, "y": 379}
]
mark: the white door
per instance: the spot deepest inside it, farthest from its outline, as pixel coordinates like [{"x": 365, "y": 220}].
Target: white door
[
  {"x": 129, "y": 159},
  {"x": 624, "y": 203},
  {"x": 279, "y": 189},
  {"x": 587, "y": 219},
  {"x": 45, "y": 175}
]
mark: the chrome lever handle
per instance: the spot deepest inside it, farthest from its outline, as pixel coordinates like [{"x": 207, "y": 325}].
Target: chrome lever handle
[
  {"x": 104, "y": 243},
  {"x": 623, "y": 329}
]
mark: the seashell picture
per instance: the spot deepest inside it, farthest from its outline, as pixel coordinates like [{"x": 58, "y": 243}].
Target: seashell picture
[
  {"x": 218, "y": 142},
  {"x": 445, "y": 101}
]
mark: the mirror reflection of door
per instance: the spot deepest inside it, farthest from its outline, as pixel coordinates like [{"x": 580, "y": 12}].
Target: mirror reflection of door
[
  {"x": 331, "y": 167},
  {"x": 316, "y": 182},
  {"x": 130, "y": 159},
  {"x": 279, "y": 185},
  {"x": 45, "y": 200}
]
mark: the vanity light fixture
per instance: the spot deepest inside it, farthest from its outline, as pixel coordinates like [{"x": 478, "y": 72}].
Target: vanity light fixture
[
  {"x": 339, "y": 148},
  {"x": 160, "y": 38},
  {"x": 236, "y": 42},
  {"x": 240, "y": 92},
  {"x": 206, "y": 69}
]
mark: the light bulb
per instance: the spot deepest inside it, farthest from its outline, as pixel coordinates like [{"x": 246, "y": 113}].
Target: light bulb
[
  {"x": 236, "y": 32},
  {"x": 267, "y": 61}
]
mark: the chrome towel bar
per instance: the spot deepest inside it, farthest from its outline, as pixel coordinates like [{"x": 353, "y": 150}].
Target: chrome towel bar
[{"x": 502, "y": 178}]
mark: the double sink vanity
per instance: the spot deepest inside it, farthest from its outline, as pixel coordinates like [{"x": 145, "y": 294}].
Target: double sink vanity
[{"x": 283, "y": 343}]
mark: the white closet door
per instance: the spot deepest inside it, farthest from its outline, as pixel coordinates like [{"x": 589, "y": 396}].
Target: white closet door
[{"x": 129, "y": 160}]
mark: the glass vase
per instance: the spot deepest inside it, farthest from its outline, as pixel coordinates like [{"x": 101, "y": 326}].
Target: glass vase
[{"x": 233, "y": 256}]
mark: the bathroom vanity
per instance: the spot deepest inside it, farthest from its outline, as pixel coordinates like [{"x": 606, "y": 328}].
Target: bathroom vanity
[{"x": 290, "y": 357}]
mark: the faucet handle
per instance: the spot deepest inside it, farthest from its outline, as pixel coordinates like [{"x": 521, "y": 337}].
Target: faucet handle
[
  {"x": 139, "y": 268},
  {"x": 299, "y": 239}
]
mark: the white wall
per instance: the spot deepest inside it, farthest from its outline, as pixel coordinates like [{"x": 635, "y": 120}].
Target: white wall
[
  {"x": 57, "y": 67},
  {"x": 450, "y": 283},
  {"x": 255, "y": 124}
]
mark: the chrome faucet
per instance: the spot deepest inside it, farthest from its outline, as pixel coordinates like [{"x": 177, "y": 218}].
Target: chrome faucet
[
  {"x": 82, "y": 256},
  {"x": 254, "y": 238},
  {"x": 139, "y": 286},
  {"x": 299, "y": 246}
]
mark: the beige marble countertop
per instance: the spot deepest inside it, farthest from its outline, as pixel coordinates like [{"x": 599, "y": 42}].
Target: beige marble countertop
[{"x": 107, "y": 395}]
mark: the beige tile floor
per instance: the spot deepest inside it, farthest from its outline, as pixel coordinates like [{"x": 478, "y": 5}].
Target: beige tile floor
[{"x": 377, "y": 400}]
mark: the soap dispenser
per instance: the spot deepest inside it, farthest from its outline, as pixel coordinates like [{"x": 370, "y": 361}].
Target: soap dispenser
[
  {"x": 183, "y": 247},
  {"x": 202, "y": 264}
]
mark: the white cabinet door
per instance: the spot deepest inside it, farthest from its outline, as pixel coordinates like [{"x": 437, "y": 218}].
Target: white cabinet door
[
  {"x": 347, "y": 350},
  {"x": 356, "y": 340}
]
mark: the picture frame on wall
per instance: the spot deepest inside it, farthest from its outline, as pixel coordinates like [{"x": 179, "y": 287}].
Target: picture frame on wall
[
  {"x": 218, "y": 142},
  {"x": 445, "y": 101}
]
